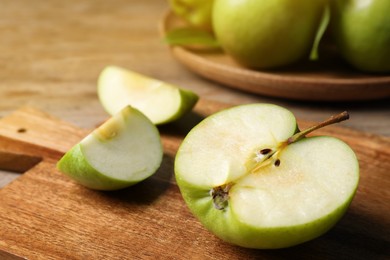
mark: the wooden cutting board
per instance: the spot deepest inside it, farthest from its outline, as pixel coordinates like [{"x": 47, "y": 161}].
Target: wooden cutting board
[{"x": 45, "y": 215}]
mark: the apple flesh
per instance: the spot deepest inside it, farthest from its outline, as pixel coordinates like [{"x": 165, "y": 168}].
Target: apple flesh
[
  {"x": 125, "y": 150},
  {"x": 267, "y": 34},
  {"x": 159, "y": 101},
  {"x": 249, "y": 184},
  {"x": 361, "y": 30}
]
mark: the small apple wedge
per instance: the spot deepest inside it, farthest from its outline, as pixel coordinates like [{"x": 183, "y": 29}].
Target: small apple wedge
[
  {"x": 254, "y": 180},
  {"x": 123, "y": 151},
  {"x": 159, "y": 101}
]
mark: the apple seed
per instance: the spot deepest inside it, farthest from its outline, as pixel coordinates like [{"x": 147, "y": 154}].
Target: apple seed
[
  {"x": 277, "y": 162},
  {"x": 265, "y": 151}
]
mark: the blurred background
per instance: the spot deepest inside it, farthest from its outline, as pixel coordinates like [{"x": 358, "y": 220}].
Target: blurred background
[{"x": 51, "y": 53}]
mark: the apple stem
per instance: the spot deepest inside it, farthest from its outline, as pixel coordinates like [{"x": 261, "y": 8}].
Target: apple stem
[{"x": 332, "y": 120}]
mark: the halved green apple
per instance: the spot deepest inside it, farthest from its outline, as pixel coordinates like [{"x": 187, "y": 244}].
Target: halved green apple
[
  {"x": 125, "y": 150},
  {"x": 254, "y": 180},
  {"x": 159, "y": 101}
]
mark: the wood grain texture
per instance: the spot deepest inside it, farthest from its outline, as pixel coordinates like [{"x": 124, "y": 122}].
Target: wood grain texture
[
  {"x": 328, "y": 79},
  {"x": 45, "y": 215}
]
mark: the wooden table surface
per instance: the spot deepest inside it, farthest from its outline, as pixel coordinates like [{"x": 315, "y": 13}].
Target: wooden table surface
[{"x": 51, "y": 53}]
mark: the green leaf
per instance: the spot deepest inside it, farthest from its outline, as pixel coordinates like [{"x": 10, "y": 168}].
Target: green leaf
[
  {"x": 320, "y": 32},
  {"x": 190, "y": 37}
]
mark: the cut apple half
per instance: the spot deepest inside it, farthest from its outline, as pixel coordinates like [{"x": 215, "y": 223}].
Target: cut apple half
[
  {"x": 159, "y": 101},
  {"x": 254, "y": 180},
  {"x": 125, "y": 150}
]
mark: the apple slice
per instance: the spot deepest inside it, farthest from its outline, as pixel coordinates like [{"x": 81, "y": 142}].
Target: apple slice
[
  {"x": 159, "y": 101},
  {"x": 254, "y": 180},
  {"x": 126, "y": 149}
]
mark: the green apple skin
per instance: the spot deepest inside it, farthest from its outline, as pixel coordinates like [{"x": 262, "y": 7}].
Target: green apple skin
[
  {"x": 361, "y": 30},
  {"x": 229, "y": 224},
  {"x": 229, "y": 228},
  {"x": 188, "y": 102},
  {"x": 267, "y": 34},
  {"x": 196, "y": 12},
  {"x": 123, "y": 151},
  {"x": 74, "y": 165},
  {"x": 161, "y": 102}
]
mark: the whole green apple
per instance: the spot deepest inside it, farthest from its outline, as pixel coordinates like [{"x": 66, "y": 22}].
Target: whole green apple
[
  {"x": 264, "y": 34},
  {"x": 361, "y": 30},
  {"x": 254, "y": 180}
]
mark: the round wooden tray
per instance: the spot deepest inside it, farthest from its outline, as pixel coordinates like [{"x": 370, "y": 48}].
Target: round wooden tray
[{"x": 328, "y": 79}]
